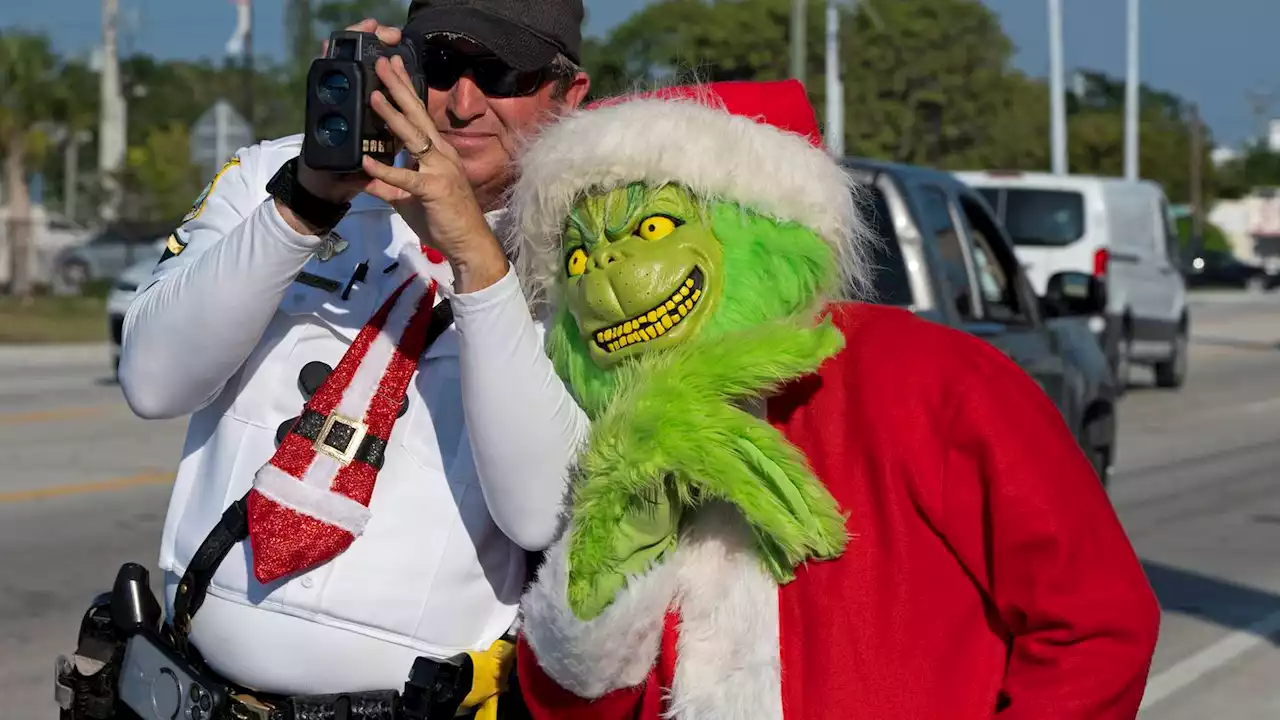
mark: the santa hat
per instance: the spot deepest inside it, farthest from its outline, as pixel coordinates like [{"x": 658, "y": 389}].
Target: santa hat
[{"x": 753, "y": 143}]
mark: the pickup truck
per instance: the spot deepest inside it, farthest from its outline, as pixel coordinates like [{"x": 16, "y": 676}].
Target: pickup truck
[{"x": 945, "y": 257}]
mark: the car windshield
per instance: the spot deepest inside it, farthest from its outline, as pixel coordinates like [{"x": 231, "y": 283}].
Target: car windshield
[
  {"x": 1043, "y": 217},
  {"x": 890, "y": 281}
]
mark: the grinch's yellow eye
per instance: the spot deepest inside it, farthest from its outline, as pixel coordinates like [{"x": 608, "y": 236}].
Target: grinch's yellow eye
[
  {"x": 656, "y": 227},
  {"x": 577, "y": 262}
]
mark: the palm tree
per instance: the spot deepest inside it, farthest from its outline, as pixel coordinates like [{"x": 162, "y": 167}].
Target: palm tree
[{"x": 28, "y": 74}]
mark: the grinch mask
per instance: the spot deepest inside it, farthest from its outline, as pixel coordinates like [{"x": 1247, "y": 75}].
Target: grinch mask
[
  {"x": 642, "y": 270},
  {"x": 681, "y": 304}
]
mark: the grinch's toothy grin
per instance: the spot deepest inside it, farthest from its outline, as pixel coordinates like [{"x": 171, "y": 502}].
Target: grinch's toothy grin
[{"x": 656, "y": 322}]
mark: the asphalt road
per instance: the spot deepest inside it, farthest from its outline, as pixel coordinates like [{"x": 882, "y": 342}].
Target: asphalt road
[{"x": 83, "y": 488}]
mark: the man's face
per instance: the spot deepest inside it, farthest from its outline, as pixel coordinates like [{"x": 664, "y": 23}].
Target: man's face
[{"x": 486, "y": 129}]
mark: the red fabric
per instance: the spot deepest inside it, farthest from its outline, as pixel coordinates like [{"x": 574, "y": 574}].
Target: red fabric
[
  {"x": 781, "y": 103},
  {"x": 987, "y": 566},
  {"x": 548, "y": 701}
]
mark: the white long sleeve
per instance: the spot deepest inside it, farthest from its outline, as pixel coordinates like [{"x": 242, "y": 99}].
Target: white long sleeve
[
  {"x": 187, "y": 333},
  {"x": 192, "y": 329},
  {"x": 525, "y": 428}
]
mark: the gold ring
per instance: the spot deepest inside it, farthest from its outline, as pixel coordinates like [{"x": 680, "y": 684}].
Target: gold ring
[{"x": 427, "y": 147}]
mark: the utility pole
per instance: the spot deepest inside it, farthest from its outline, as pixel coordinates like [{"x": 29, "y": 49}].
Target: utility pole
[
  {"x": 71, "y": 173},
  {"x": 302, "y": 40},
  {"x": 835, "y": 85},
  {"x": 1131, "y": 97},
  {"x": 111, "y": 124},
  {"x": 1197, "y": 182},
  {"x": 1260, "y": 102},
  {"x": 1057, "y": 102},
  {"x": 798, "y": 39},
  {"x": 248, "y": 64},
  {"x": 241, "y": 44}
]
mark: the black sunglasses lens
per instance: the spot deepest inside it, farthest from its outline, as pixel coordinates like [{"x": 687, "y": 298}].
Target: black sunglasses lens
[
  {"x": 495, "y": 78},
  {"x": 441, "y": 68}
]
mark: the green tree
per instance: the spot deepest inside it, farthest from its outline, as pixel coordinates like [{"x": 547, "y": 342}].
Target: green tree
[
  {"x": 1258, "y": 167},
  {"x": 925, "y": 80},
  {"x": 1213, "y": 238},
  {"x": 1019, "y": 130},
  {"x": 28, "y": 69},
  {"x": 337, "y": 14},
  {"x": 1096, "y": 136},
  {"x": 160, "y": 181},
  {"x": 680, "y": 40}
]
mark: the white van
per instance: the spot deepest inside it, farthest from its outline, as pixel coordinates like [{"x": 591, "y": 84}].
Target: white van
[{"x": 1119, "y": 230}]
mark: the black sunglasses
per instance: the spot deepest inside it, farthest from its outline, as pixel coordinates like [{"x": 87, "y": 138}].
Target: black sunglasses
[{"x": 442, "y": 67}]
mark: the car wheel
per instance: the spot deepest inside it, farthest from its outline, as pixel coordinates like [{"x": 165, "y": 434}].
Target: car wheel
[
  {"x": 1122, "y": 361},
  {"x": 74, "y": 274},
  {"x": 1172, "y": 373},
  {"x": 1098, "y": 440},
  {"x": 1256, "y": 284},
  {"x": 1100, "y": 459}
]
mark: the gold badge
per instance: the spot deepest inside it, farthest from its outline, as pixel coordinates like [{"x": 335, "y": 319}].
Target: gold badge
[{"x": 331, "y": 245}]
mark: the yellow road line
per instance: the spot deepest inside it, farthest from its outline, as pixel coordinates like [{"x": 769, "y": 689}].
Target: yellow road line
[
  {"x": 26, "y": 418},
  {"x": 139, "y": 480}
]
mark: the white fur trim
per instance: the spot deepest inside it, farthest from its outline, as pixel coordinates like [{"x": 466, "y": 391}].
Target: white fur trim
[
  {"x": 708, "y": 150},
  {"x": 615, "y": 650},
  {"x": 728, "y": 665},
  {"x": 325, "y": 505}
]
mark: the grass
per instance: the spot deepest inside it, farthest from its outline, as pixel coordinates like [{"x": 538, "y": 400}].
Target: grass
[{"x": 50, "y": 319}]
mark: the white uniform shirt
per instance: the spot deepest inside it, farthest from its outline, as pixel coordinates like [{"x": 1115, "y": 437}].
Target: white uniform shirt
[{"x": 474, "y": 472}]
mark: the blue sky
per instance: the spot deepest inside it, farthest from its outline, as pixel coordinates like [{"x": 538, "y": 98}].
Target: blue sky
[{"x": 1210, "y": 52}]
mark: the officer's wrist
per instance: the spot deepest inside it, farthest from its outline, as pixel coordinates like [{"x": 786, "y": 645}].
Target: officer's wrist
[
  {"x": 294, "y": 221},
  {"x": 474, "y": 271}
]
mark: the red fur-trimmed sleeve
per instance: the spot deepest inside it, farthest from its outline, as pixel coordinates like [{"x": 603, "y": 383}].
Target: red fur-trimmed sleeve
[
  {"x": 546, "y": 700},
  {"x": 1023, "y": 510}
]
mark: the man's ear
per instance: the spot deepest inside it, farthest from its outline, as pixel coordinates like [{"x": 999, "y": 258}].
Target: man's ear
[{"x": 578, "y": 90}]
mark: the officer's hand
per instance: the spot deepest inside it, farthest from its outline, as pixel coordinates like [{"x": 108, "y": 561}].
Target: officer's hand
[
  {"x": 432, "y": 195},
  {"x": 342, "y": 187}
]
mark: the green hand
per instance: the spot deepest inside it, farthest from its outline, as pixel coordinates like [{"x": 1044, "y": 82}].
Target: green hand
[{"x": 642, "y": 537}]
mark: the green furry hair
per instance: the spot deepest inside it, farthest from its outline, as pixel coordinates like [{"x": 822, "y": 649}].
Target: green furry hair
[{"x": 673, "y": 416}]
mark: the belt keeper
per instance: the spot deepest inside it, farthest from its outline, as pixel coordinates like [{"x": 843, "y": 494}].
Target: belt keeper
[{"x": 436, "y": 689}]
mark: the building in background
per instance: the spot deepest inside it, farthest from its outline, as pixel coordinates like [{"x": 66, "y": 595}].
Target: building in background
[{"x": 1252, "y": 225}]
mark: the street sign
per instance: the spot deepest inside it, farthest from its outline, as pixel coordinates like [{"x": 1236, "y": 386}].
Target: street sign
[{"x": 218, "y": 133}]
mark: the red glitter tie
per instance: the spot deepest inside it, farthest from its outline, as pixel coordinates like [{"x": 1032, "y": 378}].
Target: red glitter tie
[{"x": 310, "y": 502}]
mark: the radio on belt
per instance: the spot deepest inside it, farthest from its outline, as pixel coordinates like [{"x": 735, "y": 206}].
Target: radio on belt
[{"x": 342, "y": 126}]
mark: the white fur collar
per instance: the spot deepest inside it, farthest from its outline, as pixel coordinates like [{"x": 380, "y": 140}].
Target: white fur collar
[{"x": 728, "y": 665}]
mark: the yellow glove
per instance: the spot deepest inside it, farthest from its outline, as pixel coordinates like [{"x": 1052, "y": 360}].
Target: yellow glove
[{"x": 491, "y": 669}]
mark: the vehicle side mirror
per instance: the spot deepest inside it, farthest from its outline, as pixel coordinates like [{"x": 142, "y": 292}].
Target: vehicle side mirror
[{"x": 1073, "y": 294}]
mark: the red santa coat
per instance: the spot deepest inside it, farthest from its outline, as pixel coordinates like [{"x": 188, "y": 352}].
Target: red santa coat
[{"x": 987, "y": 571}]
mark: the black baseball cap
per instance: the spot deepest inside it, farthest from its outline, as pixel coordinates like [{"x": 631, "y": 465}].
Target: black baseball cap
[{"x": 525, "y": 34}]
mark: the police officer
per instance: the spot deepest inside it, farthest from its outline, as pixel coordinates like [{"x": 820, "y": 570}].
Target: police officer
[{"x": 264, "y": 289}]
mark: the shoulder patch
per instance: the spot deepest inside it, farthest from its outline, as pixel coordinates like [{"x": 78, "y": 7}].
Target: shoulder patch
[
  {"x": 173, "y": 247},
  {"x": 198, "y": 206}
]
